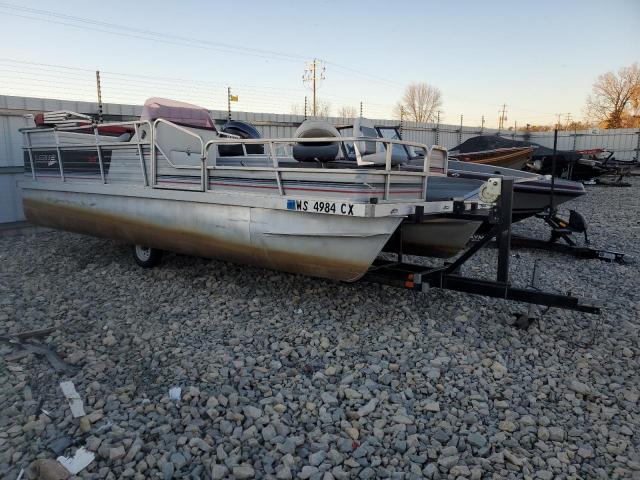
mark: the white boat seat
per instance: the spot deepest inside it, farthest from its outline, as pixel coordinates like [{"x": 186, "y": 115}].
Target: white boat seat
[
  {"x": 177, "y": 146},
  {"x": 319, "y": 151},
  {"x": 373, "y": 153}
]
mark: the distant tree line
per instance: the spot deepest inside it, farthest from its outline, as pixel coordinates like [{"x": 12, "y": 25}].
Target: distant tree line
[{"x": 613, "y": 103}]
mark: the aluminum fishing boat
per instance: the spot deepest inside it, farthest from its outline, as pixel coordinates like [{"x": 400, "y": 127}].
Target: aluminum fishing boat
[
  {"x": 514, "y": 158},
  {"x": 172, "y": 181}
]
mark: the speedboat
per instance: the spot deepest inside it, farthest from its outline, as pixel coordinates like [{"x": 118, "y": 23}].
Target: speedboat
[
  {"x": 532, "y": 192},
  {"x": 173, "y": 181}
]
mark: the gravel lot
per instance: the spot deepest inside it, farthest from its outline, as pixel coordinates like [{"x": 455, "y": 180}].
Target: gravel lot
[{"x": 284, "y": 376}]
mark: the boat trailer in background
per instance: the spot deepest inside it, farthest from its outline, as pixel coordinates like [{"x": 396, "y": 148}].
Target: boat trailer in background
[
  {"x": 562, "y": 231},
  {"x": 448, "y": 276}
]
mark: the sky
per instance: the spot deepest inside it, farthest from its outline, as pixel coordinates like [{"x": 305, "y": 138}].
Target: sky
[{"x": 539, "y": 58}]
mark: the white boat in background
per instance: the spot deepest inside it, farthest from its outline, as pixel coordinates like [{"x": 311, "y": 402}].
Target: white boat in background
[{"x": 173, "y": 181}]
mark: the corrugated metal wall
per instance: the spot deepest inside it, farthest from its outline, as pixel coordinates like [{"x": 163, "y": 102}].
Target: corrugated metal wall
[{"x": 625, "y": 142}]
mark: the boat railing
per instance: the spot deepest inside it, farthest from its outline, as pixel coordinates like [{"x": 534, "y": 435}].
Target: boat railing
[
  {"x": 136, "y": 145},
  {"x": 212, "y": 155},
  {"x": 144, "y": 148}
]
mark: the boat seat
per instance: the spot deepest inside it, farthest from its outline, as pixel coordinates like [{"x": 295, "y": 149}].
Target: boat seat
[
  {"x": 318, "y": 151},
  {"x": 438, "y": 158},
  {"x": 373, "y": 153},
  {"x": 177, "y": 146},
  {"x": 240, "y": 130}
]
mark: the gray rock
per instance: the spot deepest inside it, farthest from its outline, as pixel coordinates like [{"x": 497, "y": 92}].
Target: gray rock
[
  {"x": 284, "y": 473},
  {"x": 317, "y": 458},
  {"x": 329, "y": 398},
  {"x": 307, "y": 471},
  {"x": 448, "y": 462},
  {"x": 477, "y": 440},
  {"x": 368, "y": 408},
  {"x": 556, "y": 434},
  {"x": 367, "y": 473},
  {"x": 167, "y": 470},
  {"x": 544, "y": 475},
  {"x": 178, "y": 460},
  {"x": 219, "y": 471},
  {"x": 116, "y": 453},
  {"x": 243, "y": 471},
  {"x": 252, "y": 412}
]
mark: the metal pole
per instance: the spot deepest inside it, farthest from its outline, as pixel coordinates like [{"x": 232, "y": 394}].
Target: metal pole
[
  {"x": 401, "y": 119},
  {"x": 99, "y": 96},
  {"x": 504, "y": 237},
  {"x": 460, "y": 132},
  {"x": 438, "y": 128},
  {"x": 99, "y": 150},
  {"x": 482, "y": 126},
  {"x": 552, "y": 208},
  {"x": 305, "y": 107},
  {"x": 229, "y": 104},
  {"x": 314, "y": 87},
  {"x": 361, "y": 109}
]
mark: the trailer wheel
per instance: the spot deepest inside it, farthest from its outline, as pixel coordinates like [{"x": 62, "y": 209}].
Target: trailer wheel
[{"x": 146, "y": 257}]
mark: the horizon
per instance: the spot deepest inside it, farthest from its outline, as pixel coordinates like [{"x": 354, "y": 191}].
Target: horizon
[{"x": 179, "y": 53}]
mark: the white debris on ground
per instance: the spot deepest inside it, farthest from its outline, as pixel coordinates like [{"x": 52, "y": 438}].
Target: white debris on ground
[
  {"x": 286, "y": 376},
  {"x": 79, "y": 461},
  {"x": 75, "y": 402}
]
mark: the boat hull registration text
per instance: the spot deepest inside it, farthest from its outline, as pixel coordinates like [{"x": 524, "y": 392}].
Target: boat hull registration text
[{"x": 336, "y": 208}]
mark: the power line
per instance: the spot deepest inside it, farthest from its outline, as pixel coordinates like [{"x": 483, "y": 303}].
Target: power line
[
  {"x": 127, "y": 30},
  {"x": 116, "y": 29}
]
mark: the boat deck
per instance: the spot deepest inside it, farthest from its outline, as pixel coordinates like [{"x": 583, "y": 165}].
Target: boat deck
[{"x": 166, "y": 157}]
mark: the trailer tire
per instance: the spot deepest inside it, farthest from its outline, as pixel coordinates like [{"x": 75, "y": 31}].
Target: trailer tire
[{"x": 146, "y": 257}]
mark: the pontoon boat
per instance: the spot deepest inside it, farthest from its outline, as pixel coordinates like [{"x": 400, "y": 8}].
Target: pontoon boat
[{"x": 173, "y": 181}]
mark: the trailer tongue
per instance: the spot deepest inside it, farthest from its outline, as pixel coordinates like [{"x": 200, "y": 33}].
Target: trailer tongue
[{"x": 415, "y": 276}]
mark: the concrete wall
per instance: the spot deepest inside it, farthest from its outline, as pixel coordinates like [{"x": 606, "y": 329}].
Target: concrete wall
[{"x": 625, "y": 142}]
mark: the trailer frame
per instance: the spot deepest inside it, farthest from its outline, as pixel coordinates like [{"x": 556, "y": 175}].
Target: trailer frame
[{"x": 414, "y": 276}]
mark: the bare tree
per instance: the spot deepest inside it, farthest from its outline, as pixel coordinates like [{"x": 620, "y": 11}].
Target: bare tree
[
  {"x": 323, "y": 109},
  {"x": 420, "y": 102},
  {"x": 297, "y": 109},
  {"x": 347, "y": 112},
  {"x": 615, "y": 97}
]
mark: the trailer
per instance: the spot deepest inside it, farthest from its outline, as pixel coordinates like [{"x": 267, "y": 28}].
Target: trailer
[{"x": 417, "y": 277}]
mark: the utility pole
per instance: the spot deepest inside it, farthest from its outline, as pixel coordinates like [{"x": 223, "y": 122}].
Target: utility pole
[
  {"x": 313, "y": 74},
  {"x": 99, "y": 96},
  {"x": 503, "y": 116}
]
